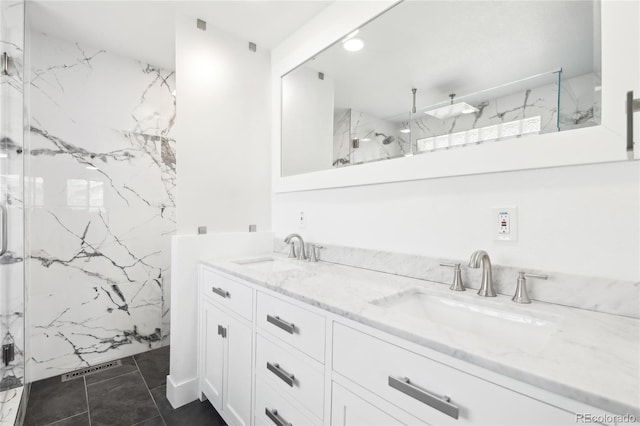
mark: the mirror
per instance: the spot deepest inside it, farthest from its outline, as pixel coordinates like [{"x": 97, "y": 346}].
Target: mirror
[{"x": 439, "y": 75}]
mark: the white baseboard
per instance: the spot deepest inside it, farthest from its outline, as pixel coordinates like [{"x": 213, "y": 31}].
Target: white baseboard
[{"x": 182, "y": 393}]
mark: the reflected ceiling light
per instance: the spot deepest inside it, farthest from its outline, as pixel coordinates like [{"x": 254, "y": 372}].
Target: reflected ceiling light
[
  {"x": 3, "y": 155},
  {"x": 350, "y": 36},
  {"x": 91, "y": 168},
  {"x": 353, "y": 44},
  {"x": 452, "y": 110},
  {"x": 405, "y": 131},
  {"x": 365, "y": 140}
]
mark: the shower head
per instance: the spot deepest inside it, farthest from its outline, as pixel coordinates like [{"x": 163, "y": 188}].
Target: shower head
[{"x": 387, "y": 139}]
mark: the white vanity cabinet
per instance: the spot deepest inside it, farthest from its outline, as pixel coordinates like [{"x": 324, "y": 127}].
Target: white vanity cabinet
[
  {"x": 431, "y": 391},
  {"x": 268, "y": 359},
  {"x": 348, "y": 409},
  {"x": 290, "y": 353},
  {"x": 225, "y": 346}
]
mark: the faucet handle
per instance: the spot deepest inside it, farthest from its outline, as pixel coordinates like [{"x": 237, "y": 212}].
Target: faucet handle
[
  {"x": 540, "y": 276},
  {"x": 521, "y": 295},
  {"x": 457, "y": 284},
  {"x": 292, "y": 250},
  {"x": 313, "y": 252}
]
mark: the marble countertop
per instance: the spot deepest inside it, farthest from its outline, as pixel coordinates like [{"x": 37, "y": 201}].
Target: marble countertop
[{"x": 587, "y": 356}]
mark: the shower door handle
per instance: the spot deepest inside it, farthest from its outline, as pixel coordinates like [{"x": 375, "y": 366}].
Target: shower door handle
[{"x": 3, "y": 229}]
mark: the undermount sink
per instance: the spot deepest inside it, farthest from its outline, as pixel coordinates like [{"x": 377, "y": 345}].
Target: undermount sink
[
  {"x": 268, "y": 264},
  {"x": 470, "y": 313}
]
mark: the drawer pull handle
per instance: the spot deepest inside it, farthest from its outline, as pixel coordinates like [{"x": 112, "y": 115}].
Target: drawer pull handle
[
  {"x": 286, "y": 377},
  {"x": 440, "y": 403},
  {"x": 220, "y": 292},
  {"x": 276, "y": 418},
  {"x": 286, "y": 326}
]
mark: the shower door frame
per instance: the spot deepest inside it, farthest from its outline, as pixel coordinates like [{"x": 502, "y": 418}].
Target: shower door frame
[{"x": 12, "y": 260}]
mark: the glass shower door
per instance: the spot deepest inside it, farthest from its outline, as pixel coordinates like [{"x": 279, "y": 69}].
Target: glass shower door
[{"x": 11, "y": 209}]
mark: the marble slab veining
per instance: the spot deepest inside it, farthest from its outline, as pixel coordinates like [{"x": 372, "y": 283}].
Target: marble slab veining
[
  {"x": 9, "y": 405},
  {"x": 587, "y": 356},
  {"x": 101, "y": 208},
  {"x": 598, "y": 294}
]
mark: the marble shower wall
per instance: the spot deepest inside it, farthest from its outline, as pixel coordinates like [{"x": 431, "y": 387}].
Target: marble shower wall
[
  {"x": 100, "y": 208},
  {"x": 11, "y": 197},
  {"x": 371, "y": 133},
  {"x": 341, "y": 137}
]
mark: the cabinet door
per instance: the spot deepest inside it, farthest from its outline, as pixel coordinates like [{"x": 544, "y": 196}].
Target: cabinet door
[
  {"x": 237, "y": 389},
  {"x": 347, "y": 409},
  {"x": 213, "y": 354}
]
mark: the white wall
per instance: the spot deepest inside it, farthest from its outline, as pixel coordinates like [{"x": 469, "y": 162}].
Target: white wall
[
  {"x": 309, "y": 111},
  {"x": 223, "y": 102},
  {"x": 186, "y": 252},
  {"x": 578, "y": 220}
]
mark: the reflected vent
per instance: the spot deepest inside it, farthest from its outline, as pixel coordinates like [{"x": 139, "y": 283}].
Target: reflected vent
[{"x": 89, "y": 370}]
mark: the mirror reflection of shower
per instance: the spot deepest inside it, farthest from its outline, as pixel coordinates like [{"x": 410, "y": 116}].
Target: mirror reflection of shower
[{"x": 387, "y": 139}]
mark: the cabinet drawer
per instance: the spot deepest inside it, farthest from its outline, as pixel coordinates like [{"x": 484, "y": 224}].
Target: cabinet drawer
[
  {"x": 347, "y": 409},
  {"x": 292, "y": 374},
  {"x": 382, "y": 368},
  {"x": 300, "y": 328},
  {"x": 232, "y": 294},
  {"x": 268, "y": 399}
]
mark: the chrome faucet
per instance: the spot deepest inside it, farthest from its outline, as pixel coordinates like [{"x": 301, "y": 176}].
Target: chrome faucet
[
  {"x": 301, "y": 252},
  {"x": 486, "y": 287}
]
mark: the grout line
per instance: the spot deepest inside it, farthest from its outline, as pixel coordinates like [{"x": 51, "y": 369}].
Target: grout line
[
  {"x": 149, "y": 390},
  {"x": 112, "y": 378},
  {"x": 150, "y": 418},
  {"x": 86, "y": 394},
  {"x": 109, "y": 378},
  {"x": 67, "y": 418},
  {"x": 157, "y": 387}
]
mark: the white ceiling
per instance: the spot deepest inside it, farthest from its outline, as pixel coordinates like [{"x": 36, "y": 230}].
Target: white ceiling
[
  {"x": 145, "y": 29},
  {"x": 442, "y": 47}
]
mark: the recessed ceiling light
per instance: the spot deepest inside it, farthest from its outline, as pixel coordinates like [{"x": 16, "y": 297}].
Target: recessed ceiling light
[
  {"x": 405, "y": 131},
  {"x": 353, "y": 44}
]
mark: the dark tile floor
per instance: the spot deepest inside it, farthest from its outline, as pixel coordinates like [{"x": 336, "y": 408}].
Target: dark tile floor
[{"x": 131, "y": 394}]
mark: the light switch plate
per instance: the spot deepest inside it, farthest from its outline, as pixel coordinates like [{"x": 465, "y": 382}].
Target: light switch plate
[{"x": 505, "y": 223}]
